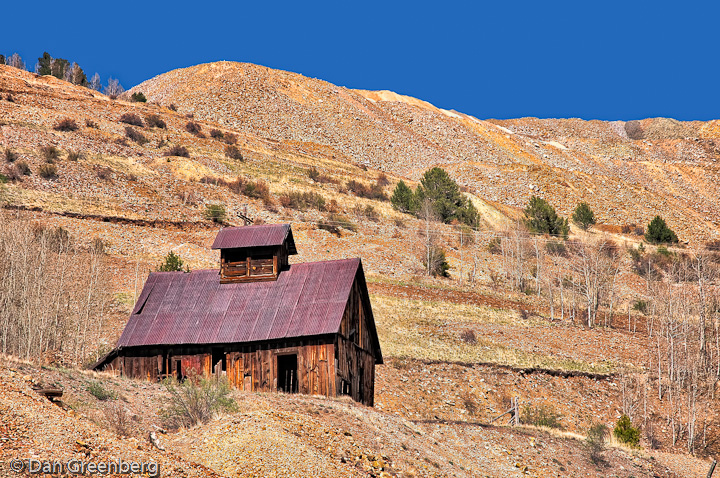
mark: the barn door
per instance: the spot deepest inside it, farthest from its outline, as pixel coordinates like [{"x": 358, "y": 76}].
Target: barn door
[{"x": 287, "y": 368}]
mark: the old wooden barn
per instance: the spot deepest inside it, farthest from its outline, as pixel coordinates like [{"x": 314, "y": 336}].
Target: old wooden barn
[{"x": 264, "y": 324}]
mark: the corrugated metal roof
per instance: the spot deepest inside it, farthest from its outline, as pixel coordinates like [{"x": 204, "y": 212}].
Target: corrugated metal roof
[
  {"x": 255, "y": 236},
  {"x": 177, "y": 308}
]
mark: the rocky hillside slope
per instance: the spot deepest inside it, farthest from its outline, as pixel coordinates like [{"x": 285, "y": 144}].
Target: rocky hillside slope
[{"x": 627, "y": 172}]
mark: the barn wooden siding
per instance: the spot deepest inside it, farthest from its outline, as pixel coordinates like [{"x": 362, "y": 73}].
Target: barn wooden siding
[{"x": 256, "y": 370}]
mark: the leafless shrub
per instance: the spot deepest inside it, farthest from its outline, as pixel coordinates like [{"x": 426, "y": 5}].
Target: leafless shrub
[
  {"x": 136, "y": 136},
  {"x": 10, "y": 155},
  {"x": 524, "y": 314},
  {"x": 91, "y": 124},
  {"x": 194, "y": 128},
  {"x": 468, "y": 336},
  {"x": 118, "y": 419},
  {"x": 50, "y": 153},
  {"x": 374, "y": 191},
  {"x": 216, "y": 134},
  {"x": 132, "y": 119},
  {"x": 177, "y": 150},
  {"x": 233, "y": 152},
  {"x": 302, "y": 201},
  {"x": 73, "y": 155},
  {"x": 104, "y": 173},
  {"x": 154, "y": 121},
  {"x": 66, "y": 124},
  {"x": 230, "y": 138},
  {"x": 189, "y": 197},
  {"x": 47, "y": 171}
]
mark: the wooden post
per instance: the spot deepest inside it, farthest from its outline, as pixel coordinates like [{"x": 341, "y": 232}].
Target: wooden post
[{"x": 712, "y": 469}]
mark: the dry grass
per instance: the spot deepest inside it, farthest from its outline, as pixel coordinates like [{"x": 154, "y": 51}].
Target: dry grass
[{"x": 432, "y": 331}]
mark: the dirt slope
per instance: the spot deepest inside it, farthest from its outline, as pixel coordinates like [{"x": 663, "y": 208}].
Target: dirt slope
[{"x": 671, "y": 168}]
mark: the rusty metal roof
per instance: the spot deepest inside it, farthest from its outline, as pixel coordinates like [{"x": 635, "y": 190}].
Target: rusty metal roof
[
  {"x": 177, "y": 308},
  {"x": 255, "y": 236}
]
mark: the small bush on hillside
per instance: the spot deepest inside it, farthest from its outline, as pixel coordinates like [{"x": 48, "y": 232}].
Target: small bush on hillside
[
  {"x": 172, "y": 107},
  {"x": 541, "y": 218},
  {"x": 47, "y": 171},
  {"x": 216, "y": 134},
  {"x": 382, "y": 180},
  {"x": 103, "y": 173},
  {"x": 334, "y": 222},
  {"x": 468, "y": 336},
  {"x": 315, "y": 175},
  {"x": 257, "y": 189},
  {"x": 132, "y": 119},
  {"x": 230, "y": 138},
  {"x": 368, "y": 212},
  {"x": 91, "y": 124},
  {"x": 626, "y": 433},
  {"x": 172, "y": 263},
  {"x": 233, "y": 152},
  {"x": 98, "y": 391},
  {"x": 302, "y": 201},
  {"x": 583, "y": 216},
  {"x": 541, "y": 416},
  {"x": 139, "y": 97},
  {"x": 359, "y": 189},
  {"x": 595, "y": 443},
  {"x": 154, "y": 121},
  {"x": 658, "y": 232},
  {"x": 556, "y": 248},
  {"x": 10, "y": 155},
  {"x": 194, "y": 128},
  {"x": 50, "y": 153},
  {"x": 640, "y": 306},
  {"x": 136, "y": 136},
  {"x": 195, "y": 400},
  {"x": 3, "y": 178},
  {"x": 215, "y": 213},
  {"x": 178, "y": 150},
  {"x": 118, "y": 419},
  {"x": 66, "y": 124},
  {"x": 23, "y": 168},
  {"x": 73, "y": 155}
]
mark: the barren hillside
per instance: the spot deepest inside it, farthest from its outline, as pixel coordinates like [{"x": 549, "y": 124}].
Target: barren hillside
[
  {"x": 457, "y": 349},
  {"x": 670, "y": 168}
]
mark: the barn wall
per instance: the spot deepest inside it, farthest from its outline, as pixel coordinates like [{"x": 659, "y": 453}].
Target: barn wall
[
  {"x": 356, "y": 368},
  {"x": 256, "y": 370}
]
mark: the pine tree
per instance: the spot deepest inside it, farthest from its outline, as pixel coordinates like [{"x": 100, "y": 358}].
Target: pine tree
[
  {"x": 444, "y": 194},
  {"x": 2, "y": 59},
  {"x": 172, "y": 263},
  {"x": 658, "y": 232},
  {"x": 583, "y": 216},
  {"x": 540, "y": 217},
  {"x": 43, "y": 64},
  {"x": 403, "y": 198}
]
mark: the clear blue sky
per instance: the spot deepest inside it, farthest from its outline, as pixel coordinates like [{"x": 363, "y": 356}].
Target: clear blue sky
[{"x": 499, "y": 59}]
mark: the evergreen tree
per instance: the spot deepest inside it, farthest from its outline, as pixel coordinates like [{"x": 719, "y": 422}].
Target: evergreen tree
[
  {"x": 172, "y": 263},
  {"x": 540, "y": 217},
  {"x": 43, "y": 64},
  {"x": 583, "y": 216},
  {"x": 2, "y": 59},
  {"x": 444, "y": 194},
  {"x": 58, "y": 67},
  {"x": 658, "y": 232},
  {"x": 403, "y": 198}
]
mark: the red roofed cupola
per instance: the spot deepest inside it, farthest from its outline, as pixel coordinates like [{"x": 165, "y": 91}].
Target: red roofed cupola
[{"x": 254, "y": 253}]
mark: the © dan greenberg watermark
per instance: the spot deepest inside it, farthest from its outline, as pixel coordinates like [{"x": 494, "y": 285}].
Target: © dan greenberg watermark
[{"x": 80, "y": 467}]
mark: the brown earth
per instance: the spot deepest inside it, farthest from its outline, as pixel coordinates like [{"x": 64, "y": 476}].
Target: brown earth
[{"x": 142, "y": 204}]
